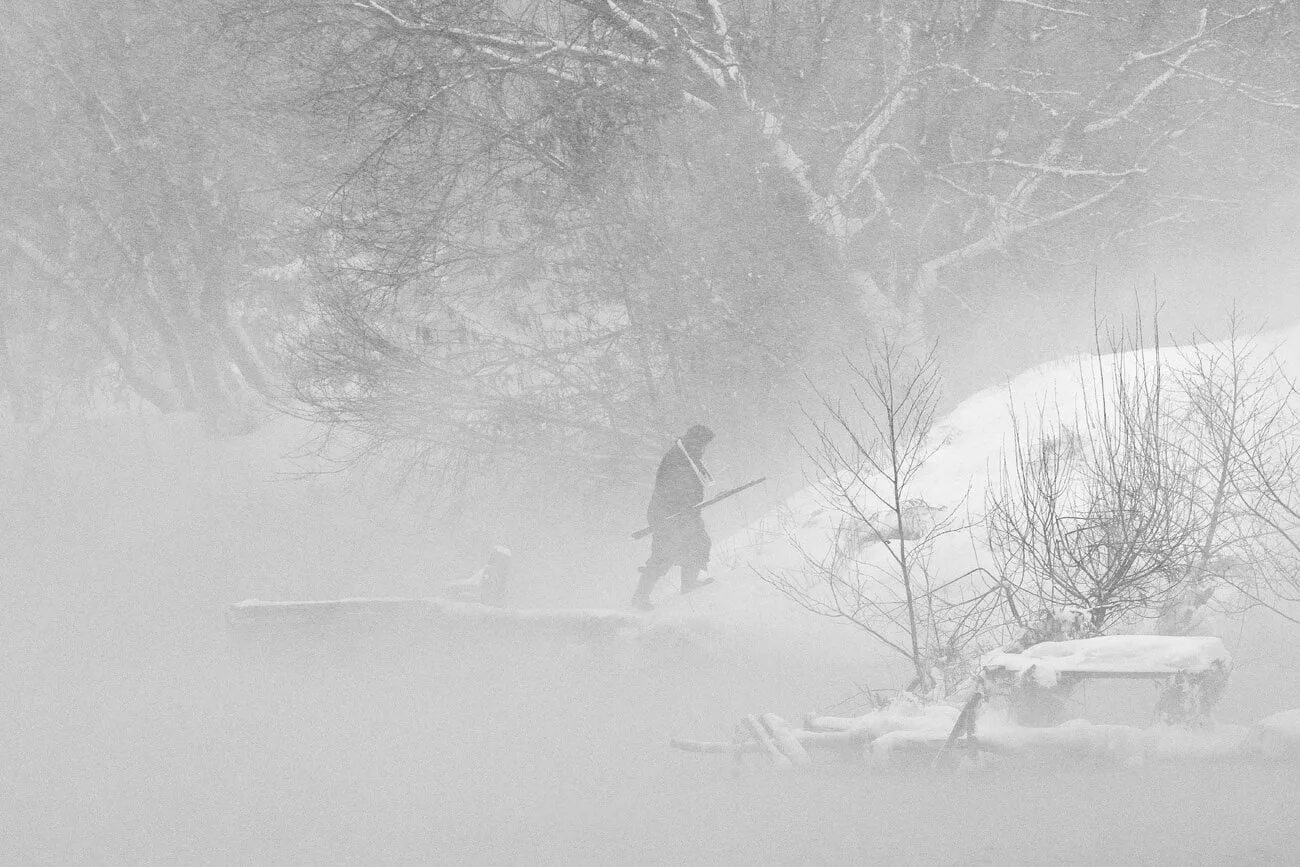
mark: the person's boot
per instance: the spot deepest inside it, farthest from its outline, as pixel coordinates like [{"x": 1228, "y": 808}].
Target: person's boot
[
  {"x": 641, "y": 598},
  {"x": 691, "y": 580}
]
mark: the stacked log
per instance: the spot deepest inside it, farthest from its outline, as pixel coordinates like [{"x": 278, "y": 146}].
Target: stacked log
[
  {"x": 785, "y": 746},
  {"x": 776, "y": 740}
]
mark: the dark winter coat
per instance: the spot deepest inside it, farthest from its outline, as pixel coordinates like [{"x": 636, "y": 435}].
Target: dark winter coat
[
  {"x": 677, "y": 487},
  {"x": 681, "y": 540}
]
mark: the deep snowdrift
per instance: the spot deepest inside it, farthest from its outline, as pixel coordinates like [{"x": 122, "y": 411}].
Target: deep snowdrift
[{"x": 969, "y": 443}]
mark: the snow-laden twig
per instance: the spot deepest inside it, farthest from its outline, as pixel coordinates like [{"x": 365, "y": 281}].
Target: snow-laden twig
[
  {"x": 1046, "y": 7},
  {"x": 1046, "y": 169},
  {"x": 1142, "y": 95}
]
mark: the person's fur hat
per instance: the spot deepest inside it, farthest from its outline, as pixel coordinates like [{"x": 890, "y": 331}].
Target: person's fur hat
[{"x": 698, "y": 433}]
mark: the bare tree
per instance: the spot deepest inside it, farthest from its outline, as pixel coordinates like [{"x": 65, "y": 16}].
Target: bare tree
[
  {"x": 129, "y": 208},
  {"x": 913, "y": 139},
  {"x": 520, "y": 283},
  {"x": 460, "y": 398},
  {"x": 690, "y": 194},
  {"x": 1273, "y": 581},
  {"x": 1236, "y": 410},
  {"x": 866, "y": 457},
  {"x": 1248, "y": 405}
]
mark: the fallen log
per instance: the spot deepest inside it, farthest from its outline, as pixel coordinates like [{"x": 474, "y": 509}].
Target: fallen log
[
  {"x": 815, "y": 723},
  {"x": 906, "y": 746},
  {"x": 902, "y": 724},
  {"x": 760, "y": 735},
  {"x": 261, "y": 617},
  {"x": 807, "y": 740},
  {"x": 784, "y": 738},
  {"x": 274, "y": 615},
  {"x": 885, "y": 720},
  {"x": 724, "y": 747}
]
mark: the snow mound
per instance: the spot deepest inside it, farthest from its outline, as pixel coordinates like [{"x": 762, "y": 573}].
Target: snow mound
[
  {"x": 1124, "y": 745},
  {"x": 1077, "y": 740},
  {"x": 967, "y": 448},
  {"x": 1221, "y": 741},
  {"x": 951, "y": 483}
]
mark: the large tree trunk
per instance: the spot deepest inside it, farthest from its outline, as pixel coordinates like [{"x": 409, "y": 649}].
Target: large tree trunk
[
  {"x": 216, "y": 313},
  {"x": 138, "y": 380},
  {"x": 172, "y": 348},
  {"x": 196, "y": 339},
  {"x": 895, "y": 314}
]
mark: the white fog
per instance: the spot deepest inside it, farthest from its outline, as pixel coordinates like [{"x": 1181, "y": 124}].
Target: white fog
[{"x": 719, "y": 432}]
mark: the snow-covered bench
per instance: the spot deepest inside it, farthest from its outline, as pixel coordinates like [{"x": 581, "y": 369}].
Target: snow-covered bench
[{"x": 1190, "y": 672}]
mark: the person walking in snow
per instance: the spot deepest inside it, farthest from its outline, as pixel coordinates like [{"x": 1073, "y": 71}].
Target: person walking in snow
[{"x": 679, "y": 535}]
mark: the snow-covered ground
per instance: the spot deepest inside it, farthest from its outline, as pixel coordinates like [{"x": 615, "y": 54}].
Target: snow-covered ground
[{"x": 141, "y": 730}]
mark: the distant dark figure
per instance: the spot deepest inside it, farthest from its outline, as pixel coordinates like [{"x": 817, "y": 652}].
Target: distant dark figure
[{"x": 679, "y": 539}]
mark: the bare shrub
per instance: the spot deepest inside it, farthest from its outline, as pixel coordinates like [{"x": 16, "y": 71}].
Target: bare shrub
[{"x": 1162, "y": 494}]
